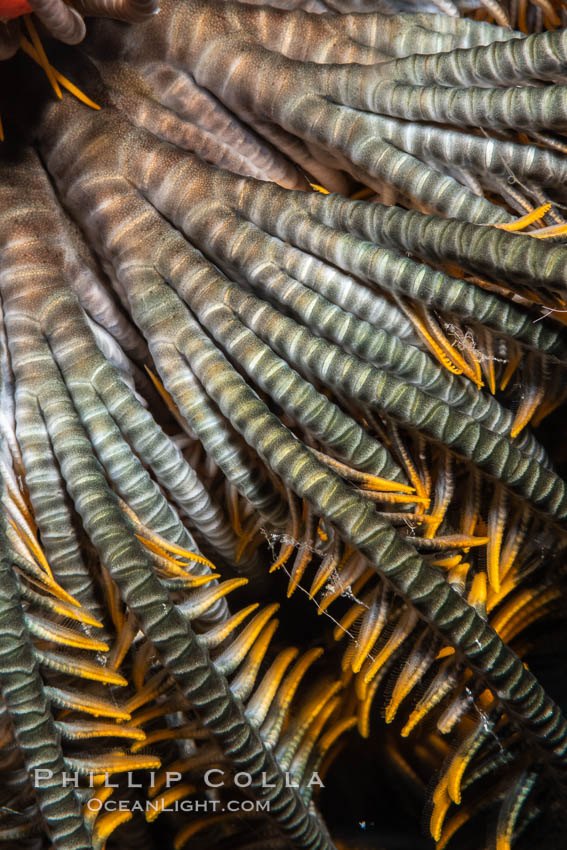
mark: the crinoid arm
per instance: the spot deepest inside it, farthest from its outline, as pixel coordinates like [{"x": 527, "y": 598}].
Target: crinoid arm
[{"x": 271, "y": 473}]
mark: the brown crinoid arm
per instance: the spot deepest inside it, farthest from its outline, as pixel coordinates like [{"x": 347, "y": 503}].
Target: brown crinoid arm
[
  {"x": 60, "y": 20},
  {"x": 132, "y": 11},
  {"x": 366, "y": 94},
  {"x": 63, "y": 21},
  {"x": 62, "y": 328}
]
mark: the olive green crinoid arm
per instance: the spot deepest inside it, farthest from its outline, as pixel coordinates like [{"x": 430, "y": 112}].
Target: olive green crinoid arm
[
  {"x": 240, "y": 466},
  {"x": 330, "y": 230},
  {"x": 336, "y": 101},
  {"x": 57, "y": 367},
  {"x": 184, "y": 655},
  {"x": 116, "y": 420},
  {"x": 436, "y": 601},
  {"x": 287, "y": 217},
  {"x": 175, "y": 299},
  {"x": 339, "y": 99},
  {"x": 322, "y": 298},
  {"x": 316, "y": 113},
  {"x": 345, "y": 373},
  {"x": 485, "y": 250},
  {"x": 310, "y": 398},
  {"x": 540, "y": 56},
  {"x": 170, "y": 632},
  {"x": 30, "y": 714},
  {"x": 172, "y": 105}
]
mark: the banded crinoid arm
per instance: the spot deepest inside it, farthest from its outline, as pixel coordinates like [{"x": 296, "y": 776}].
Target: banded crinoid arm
[
  {"x": 347, "y": 114},
  {"x": 298, "y": 729},
  {"x": 65, "y": 348},
  {"x": 56, "y": 676},
  {"x": 313, "y": 290},
  {"x": 86, "y": 415},
  {"x": 505, "y": 257},
  {"x": 61, "y": 20},
  {"x": 165, "y": 625},
  {"x": 53, "y": 392},
  {"x": 29, "y": 711},
  {"x": 69, "y": 726},
  {"x": 175, "y": 337},
  {"x": 132, "y": 11},
  {"x": 393, "y": 660},
  {"x": 387, "y": 7},
  {"x": 327, "y": 226},
  {"x": 393, "y": 393},
  {"x": 293, "y": 721},
  {"x": 194, "y": 119}
]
